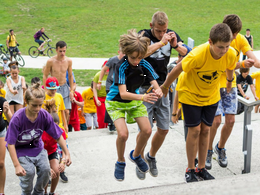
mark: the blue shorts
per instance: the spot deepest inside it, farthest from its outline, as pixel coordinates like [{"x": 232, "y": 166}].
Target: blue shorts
[
  {"x": 228, "y": 102},
  {"x": 39, "y": 41}
]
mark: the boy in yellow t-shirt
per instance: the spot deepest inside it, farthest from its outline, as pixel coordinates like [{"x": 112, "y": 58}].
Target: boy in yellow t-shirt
[
  {"x": 198, "y": 90},
  {"x": 89, "y": 107}
]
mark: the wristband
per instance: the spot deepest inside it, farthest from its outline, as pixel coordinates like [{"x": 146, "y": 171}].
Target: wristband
[
  {"x": 174, "y": 114},
  {"x": 99, "y": 82},
  {"x": 243, "y": 64},
  {"x": 176, "y": 46},
  {"x": 230, "y": 80},
  {"x": 165, "y": 87},
  {"x": 142, "y": 99},
  {"x": 162, "y": 43}
]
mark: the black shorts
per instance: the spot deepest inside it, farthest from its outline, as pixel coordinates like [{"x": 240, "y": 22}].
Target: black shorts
[
  {"x": 194, "y": 115},
  {"x": 54, "y": 155},
  {"x": 13, "y": 49},
  {"x": 6, "y": 123},
  {"x": 13, "y": 103}
]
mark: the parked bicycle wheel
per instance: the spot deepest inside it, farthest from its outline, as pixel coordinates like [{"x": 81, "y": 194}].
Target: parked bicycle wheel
[
  {"x": 51, "y": 52},
  {"x": 33, "y": 52},
  {"x": 19, "y": 59}
]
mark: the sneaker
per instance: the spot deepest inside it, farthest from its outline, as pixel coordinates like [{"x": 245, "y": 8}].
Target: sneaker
[
  {"x": 203, "y": 174},
  {"x": 222, "y": 159},
  {"x": 111, "y": 127},
  {"x": 141, "y": 164},
  {"x": 196, "y": 162},
  {"x": 152, "y": 165},
  {"x": 63, "y": 177},
  {"x": 190, "y": 175},
  {"x": 119, "y": 171},
  {"x": 140, "y": 175},
  {"x": 208, "y": 163}
]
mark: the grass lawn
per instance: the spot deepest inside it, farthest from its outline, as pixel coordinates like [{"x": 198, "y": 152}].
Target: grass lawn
[
  {"x": 83, "y": 77},
  {"x": 92, "y": 28}
]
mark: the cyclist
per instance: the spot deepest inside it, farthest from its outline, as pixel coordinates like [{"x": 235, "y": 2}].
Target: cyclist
[
  {"x": 12, "y": 44},
  {"x": 37, "y": 37}
]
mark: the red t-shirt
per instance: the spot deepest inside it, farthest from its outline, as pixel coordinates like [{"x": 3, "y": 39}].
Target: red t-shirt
[
  {"x": 74, "y": 117},
  {"x": 50, "y": 144}
]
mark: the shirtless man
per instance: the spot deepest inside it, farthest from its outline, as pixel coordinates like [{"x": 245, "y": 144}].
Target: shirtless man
[{"x": 57, "y": 67}]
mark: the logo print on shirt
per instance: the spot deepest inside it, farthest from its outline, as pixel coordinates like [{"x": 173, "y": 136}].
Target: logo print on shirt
[{"x": 208, "y": 76}]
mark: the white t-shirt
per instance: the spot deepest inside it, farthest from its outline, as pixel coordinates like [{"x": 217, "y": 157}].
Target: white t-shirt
[{"x": 6, "y": 67}]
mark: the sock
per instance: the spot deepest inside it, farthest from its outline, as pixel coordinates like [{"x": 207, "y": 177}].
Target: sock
[
  {"x": 218, "y": 147},
  {"x": 148, "y": 154},
  {"x": 120, "y": 163}
]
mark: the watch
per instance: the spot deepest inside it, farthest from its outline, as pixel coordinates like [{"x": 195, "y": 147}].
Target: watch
[
  {"x": 174, "y": 114},
  {"x": 176, "y": 46},
  {"x": 230, "y": 80}
]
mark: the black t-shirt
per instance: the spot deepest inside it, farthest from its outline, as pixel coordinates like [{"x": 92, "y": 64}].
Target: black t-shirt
[
  {"x": 2, "y": 122},
  {"x": 161, "y": 57},
  {"x": 244, "y": 83},
  {"x": 131, "y": 76}
]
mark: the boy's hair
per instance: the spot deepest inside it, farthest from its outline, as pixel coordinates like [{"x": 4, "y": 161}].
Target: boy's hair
[
  {"x": 220, "y": 32},
  {"x": 243, "y": 70},
  {"x": 51, "y": 107},
  {"x": 14, "y": 67},
  {"x": 61, "y": 44},
  {"x": 160, "y": 18},
  {"x": 247, "y": 29},
  {"x": 13, "y": 63},
  {"x": 133, "y": 42},
  {"x": 91, "y": 85},
  {"x": 11, "y": 30},
  {"x": 34, "y": 91},
  {"x": 234, "y": 22},
  {"x": 55, "y": 117},
  {"x": 35, "y": 80}
]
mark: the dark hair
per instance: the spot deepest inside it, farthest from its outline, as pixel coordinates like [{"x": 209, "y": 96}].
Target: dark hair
[
  {"x": 13, "y": 67},
  {"x": 243, "y": 70},
  {"x": 220, "y": 32},
  {"x": 91, "y": 85},
  {"x": 35, "y": 80},
  {"x": 11, "y": 30},
  {"x": 247, "y": 29},
  {"x": 55, "y": 117},
  {"x": 61, "y": 44},
  {"x": 234, "y": 22},
  {"x": 13, "y": 63}
]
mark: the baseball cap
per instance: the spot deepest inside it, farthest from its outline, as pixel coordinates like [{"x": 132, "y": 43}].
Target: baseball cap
[
  {"x": 5, "y": 59},
  {"x": 52, "y": 83}
]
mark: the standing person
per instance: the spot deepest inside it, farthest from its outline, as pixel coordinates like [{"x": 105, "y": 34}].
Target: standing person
[
  {"x": 198, "y": 91},
  {"x": 256, "y": 76},
  {"x": 228, "y": 101},
  {"x": 15, "y": 88},
  {"x": 100, "y": 97},
  {"x": 25, "y": 144},
  {"x": 110, "y": 66},
  {"x": 162, "y": 41},
  {"x": 57, "y": 67},
  {"x": 89, "y": 108},
  {"x": 4, "y": 108},
  {"x": 40, "y": 34},
  {"x": 124, "y": 99},
  {"x": 249, "y": 39},
  {"x": 12, "y": 44}
]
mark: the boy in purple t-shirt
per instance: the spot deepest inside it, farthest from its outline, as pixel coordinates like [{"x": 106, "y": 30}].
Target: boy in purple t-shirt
[{"x": 25, "y": 144}]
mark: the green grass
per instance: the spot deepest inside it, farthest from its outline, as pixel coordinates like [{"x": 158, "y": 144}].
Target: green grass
[
  {"x": 92, "y": 28},
  {"x": 83, "y": 77}
]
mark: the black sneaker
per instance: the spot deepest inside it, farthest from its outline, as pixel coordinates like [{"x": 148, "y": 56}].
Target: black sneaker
[
  {"x": 196, "y": 162},
  {"x": 204, "y": 174},
  {"x": 111, "y": 127},
  {"x": 63, "y": 177},
  {"x": 190, "y": 175}
]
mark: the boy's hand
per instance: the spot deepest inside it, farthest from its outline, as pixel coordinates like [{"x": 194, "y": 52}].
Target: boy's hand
[
  {"x": 256, "y": 98},
  {"x": 150, "y": 98},
  {"x": 158, "y": 92},
  {"x": 5, "y": 107},
  {"x": 166, "y": 38},
  {"x": 53, "y": 174},
  {"x": 249, "y": 63},
  {"x": 173, "y": 41},
  {"x": 20, "y": 171},
  {"x": 165, "y": 91},
  {"x": 68, "y": 160},
  {"x": 229, "y": 85},
  {"x": 61, "y": 167},
  {"x": 14, "y": 92}
]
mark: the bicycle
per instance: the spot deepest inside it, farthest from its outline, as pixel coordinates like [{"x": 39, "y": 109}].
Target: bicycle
[
  {"x": 5, "y": 53},
  {"x": 34, "y": 52}
]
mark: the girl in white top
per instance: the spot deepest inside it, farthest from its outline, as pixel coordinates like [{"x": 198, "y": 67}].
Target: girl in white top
[{"x": 15, "y": 88}]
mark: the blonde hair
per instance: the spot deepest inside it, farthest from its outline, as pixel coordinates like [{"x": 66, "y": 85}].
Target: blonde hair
[
  {"x": 160, "y": 18},
  {"x": 34, "y": 91},
  {"x": 134, "y": 42},
  {"x": 51, "y": 107}
]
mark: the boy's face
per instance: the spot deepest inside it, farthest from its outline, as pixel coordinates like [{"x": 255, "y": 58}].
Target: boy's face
[
  {"x": 51, "y": 92},
  {"x": 244, "y": 74},
  {"x": 61, "y": 51},
  {"x": 218, "y": 49},
  {"x": 5, "y": 61},
  {"x": 158, "y": 30},
  {"x": 34, "y": 105},
  {"x": 134, "y": 59}
]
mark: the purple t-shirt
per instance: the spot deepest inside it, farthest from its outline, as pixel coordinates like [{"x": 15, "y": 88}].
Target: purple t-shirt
[{"x": 26, "y": 135}]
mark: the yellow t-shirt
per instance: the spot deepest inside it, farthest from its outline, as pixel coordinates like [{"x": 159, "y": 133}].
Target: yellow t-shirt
[
  {"x": 199, "y": 83},
  {"x": 89, "y": 104},
  {"x": 102, "y": 91},
  {"x": 2, "y": 94},
  {"x": 12, "y": 42},
  {"x": 240, "y": 43},
  {"x": 59, "y": 103},
  {"x": 256, "y": 76}
]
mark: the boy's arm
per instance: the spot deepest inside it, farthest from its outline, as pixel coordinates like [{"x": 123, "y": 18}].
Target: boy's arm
[
  {"x": 229, "y": 74},
  {"x": 171, "y": 77},
  {"x": 157, "y": 90},
  {"x": 7, "y": 42},
  {"x": 252, "y": 42},
  {"x": 64, "y": 120},
  {"x": 102, "y": 73},
  {"x": 95, "y": 93},
  {"x": 46, "y": 72},
  {"x": 252, "y": 87},
  {"x": 175, "y": 108},
  {"x": 241, "y": 91},
  {"x": 250, "y": 54},
  {"x": 9, "y": 85},
  {"x": 19, "y": 170},
  {"x": 7, "y": 111},
  {"x": 64, "y": 148},
  {"x": 81, "y": 104},
  {"x": 71, "y": 79}
]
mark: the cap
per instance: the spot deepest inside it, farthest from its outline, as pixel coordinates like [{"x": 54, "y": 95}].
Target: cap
[
  {"x": 5, "y": 59},
  {"x": 52, "y": 83}
]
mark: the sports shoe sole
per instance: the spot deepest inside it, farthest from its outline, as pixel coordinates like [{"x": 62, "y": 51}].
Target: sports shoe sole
[
  {"x": 137, "y": 165},
  {"x": 223, "y": 166}
]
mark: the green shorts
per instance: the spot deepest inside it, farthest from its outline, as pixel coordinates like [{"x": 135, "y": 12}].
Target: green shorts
[{"x": 130, "y": 111}]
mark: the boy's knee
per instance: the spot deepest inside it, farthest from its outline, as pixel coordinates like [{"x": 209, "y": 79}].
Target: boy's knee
[
  {"x": 217, "y": 121},
  {"x": 123, "y": 136},
  {"x": 162, "y": 132},
  {"x": 2, "y": 164},
  {"x": 194, "y": 132}
]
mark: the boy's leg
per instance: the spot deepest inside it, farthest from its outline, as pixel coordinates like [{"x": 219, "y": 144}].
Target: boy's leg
[
  {"x": 26, "y": 182},
  {"x": 43, "y": 172},
  {"x": 54, "y": 163},
  {"x": 203, "y": 145},
  {"x": 226, "y": 130},
  {"x": 213, "y": 130},
  {"x": 95, "y": 120}
]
